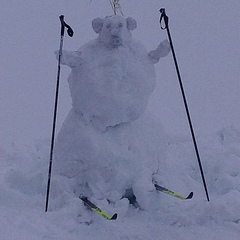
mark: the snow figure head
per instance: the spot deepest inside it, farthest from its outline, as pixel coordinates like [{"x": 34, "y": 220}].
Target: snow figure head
[{"x": 114, "y": 30}]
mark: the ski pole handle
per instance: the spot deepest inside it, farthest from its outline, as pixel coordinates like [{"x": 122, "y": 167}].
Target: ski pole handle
[
  {"x": 63, "y": 24},
  {"x": 165, "y": 17}
]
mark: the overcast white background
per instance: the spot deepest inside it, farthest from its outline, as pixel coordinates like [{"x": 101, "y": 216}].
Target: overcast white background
[{"x": 206, "y": 37}]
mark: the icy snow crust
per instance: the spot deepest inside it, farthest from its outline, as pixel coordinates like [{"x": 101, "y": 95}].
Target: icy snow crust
[{"x": 23, "y": 188}]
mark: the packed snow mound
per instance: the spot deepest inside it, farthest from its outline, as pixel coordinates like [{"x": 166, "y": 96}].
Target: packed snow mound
[{"x": 112, "y": 76}]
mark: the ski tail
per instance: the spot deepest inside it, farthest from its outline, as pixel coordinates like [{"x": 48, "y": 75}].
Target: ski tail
[
  {"x": 169, "y": 192},
  {"x": 96, "y": 209}
]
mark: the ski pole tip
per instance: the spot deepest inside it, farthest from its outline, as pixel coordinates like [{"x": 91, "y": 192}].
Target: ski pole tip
[
  {"x": 190, "y": 195},
  {"x": 114, "y": 217}
]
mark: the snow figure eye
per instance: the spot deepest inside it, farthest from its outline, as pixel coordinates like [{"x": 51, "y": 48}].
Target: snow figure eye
[
  {"x": 108, "y": 25},
  {"x": 120, "y": 25}
]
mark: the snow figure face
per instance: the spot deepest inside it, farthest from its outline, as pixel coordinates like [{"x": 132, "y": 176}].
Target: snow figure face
[{"x": 114, "y": 31}]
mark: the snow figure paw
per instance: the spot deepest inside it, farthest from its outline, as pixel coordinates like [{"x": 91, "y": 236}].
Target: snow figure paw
[
  {"x": 164, "y": 48},
  {"x": 161, "y": 51},
  {"x": 70, "y": 58}
]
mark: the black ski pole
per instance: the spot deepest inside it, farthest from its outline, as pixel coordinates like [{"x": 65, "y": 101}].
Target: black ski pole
[
  {"x": 165, "y": 18},
  {"x": 70, "y": 33}
]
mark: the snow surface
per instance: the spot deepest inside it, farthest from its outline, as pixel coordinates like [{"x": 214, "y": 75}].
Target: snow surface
[
  {"x": 207, "y": 42},
  {"x": 23, "y": 188}
]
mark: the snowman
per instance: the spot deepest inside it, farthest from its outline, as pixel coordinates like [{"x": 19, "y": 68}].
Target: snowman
[{"x": 108, "y": 143}]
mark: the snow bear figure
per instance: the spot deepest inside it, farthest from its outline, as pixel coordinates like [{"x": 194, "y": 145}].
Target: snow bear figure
[{"x": 104, "y": 144}]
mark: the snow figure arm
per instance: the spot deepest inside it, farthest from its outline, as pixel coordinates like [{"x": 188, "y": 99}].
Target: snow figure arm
[
  {"x": 70, "y": 58},
  {"x": 161, "y": 51}
]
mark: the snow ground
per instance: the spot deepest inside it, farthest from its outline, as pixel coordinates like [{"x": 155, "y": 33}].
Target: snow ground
[{"x": 23, "y": 189}]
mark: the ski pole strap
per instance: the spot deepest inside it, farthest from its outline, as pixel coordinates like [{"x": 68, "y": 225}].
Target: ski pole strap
[
  {"x": 63, "y": 24},
  {"x": 163, "y": 17}
]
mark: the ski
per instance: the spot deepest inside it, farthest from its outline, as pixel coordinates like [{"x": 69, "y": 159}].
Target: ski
[
  {"x": 96, "y": 209},
  {"x": 169, "y": 192}
]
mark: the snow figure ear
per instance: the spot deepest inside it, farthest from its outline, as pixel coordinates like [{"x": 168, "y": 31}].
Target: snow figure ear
[
  {"x": 97, "y": 25},
  {"x": 131, "y": 23}
]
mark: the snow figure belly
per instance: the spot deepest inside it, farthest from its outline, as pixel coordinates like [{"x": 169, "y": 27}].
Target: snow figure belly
[
  {"x": 108, "y": 163},
  {"x": 112, "y": 86}
]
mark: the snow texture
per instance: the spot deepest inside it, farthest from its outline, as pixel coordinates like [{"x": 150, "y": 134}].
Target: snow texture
[
  {"x": 206, "y": 41},
  {"x": 106, "y": 144},
  {"x": 23, "y": 190}
]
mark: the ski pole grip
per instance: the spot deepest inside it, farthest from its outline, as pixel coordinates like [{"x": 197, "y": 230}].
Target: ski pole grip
[
  {"x": 62, "y": 24},
  {"x": 165, "y": 17}
]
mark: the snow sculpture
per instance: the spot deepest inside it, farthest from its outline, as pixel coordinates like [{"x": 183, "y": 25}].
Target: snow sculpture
[{"x": 110, "y": 82}]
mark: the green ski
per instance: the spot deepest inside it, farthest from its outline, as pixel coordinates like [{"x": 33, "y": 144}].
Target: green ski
[
  {"x": 167, "y": 191},
  {"x": 96, "y": 209}
]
